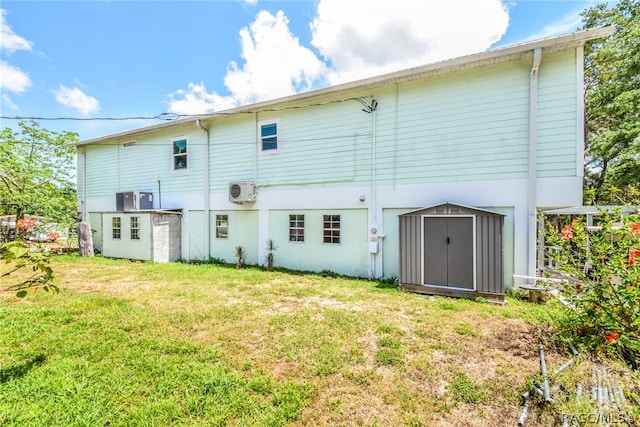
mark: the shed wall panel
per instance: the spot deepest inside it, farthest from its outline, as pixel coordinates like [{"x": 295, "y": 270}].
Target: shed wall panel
[{"x": 411, "y": 250}]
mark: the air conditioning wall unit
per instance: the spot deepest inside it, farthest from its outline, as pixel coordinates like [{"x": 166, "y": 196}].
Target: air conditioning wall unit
[
  {"x": 133, "y": 201},
  {"x": 242, "y": 192}
]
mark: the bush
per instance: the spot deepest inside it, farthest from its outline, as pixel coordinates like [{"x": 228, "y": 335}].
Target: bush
[{"x": 603, "y": 312}]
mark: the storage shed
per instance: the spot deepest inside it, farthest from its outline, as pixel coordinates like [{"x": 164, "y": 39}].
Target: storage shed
[
  {"x": 452, "y": 250},
  {"x": 151, "y": 235}
]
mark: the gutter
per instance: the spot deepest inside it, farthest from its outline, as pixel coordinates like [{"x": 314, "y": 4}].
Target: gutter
[
  {"x": 207, "y": 192},
  {"x": 532, "y": 187}
]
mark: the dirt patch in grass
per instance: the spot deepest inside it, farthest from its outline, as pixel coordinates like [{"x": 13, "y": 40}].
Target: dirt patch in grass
[{"x": 515, "y": 338}]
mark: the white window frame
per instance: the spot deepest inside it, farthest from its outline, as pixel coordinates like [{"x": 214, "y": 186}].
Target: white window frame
[
  {"x": 294, "y": 228},
  {"x": 278, "y": 136},
  {"x": 174, "y": 155},
  {"x": 332, "y": 237},
  {"x": 116, "y": 230},
  {"x": 220, "y": 220},
  {"x": 134, "y": 227}
]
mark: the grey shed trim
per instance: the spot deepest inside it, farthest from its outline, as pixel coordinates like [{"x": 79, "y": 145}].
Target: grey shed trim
[{"x": 484, "y": 278}]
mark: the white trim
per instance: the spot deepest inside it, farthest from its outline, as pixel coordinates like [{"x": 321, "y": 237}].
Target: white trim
[
  {"x": 278, "y": 136},
  {"x": 184, "y": 138},
  {"x": 473, "y": 222}
]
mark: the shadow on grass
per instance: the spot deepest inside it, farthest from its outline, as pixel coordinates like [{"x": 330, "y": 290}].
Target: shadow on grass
[
  {"x": 387, "y": 284},
  {"x": 18, "y": 371}
]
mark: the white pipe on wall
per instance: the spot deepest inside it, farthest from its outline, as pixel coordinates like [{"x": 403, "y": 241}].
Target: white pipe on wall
[
  {"x": 207, "y": 192},
  {"x": 532, "y": 189}
]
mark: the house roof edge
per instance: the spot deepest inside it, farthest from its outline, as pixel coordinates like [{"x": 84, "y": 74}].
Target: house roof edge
[{"x": 570, "y": 40}]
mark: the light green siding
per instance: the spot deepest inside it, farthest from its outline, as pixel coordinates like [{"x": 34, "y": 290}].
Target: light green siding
[
  {"x": 195, "y": 225},
  {"x": 101, "y": 172},
  {"x": 110, "y": 168},
  {"x": 461, "y": 126},
  {"x": 232, "y": 152},
  {"x": 242, "y": 231},
  {"x": 351, "y": 256},
  {"x": 557, "y": 115}
]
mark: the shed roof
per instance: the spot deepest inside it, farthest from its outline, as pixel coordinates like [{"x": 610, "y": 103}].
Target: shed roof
[
  {"x": 341, "y": 92},
  {"x": 473, "y": 208}
]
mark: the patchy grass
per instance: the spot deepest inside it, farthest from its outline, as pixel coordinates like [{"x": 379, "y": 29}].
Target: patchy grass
[{"x": 130, "y": 343}]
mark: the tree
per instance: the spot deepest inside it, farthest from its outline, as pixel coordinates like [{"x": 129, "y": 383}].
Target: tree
[
  {"x": 612, "y": 75},
  {"x": 36, "y": 172}
]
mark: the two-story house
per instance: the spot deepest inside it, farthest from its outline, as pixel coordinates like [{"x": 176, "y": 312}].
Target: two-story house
[{"x": 328, "y": 175}]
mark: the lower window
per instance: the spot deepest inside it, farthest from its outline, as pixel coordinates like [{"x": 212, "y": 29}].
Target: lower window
[
  {"x": 331, "y": 228},
  {"x": 116, "y": 227},
  {"x": 296, "y": 228},
  {"x": 222, "y": 226},
  {"x": 135, "y": 228}
]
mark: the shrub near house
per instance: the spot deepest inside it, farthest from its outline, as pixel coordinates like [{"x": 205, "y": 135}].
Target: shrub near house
[{"x": 605, "y": 295}]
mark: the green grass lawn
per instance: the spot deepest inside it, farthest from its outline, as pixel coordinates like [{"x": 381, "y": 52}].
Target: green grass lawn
[{"x": 128, "y": 343}]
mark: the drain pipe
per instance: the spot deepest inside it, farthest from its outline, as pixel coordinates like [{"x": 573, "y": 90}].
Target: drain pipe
[
  {"x": 532, "y": 187},
  {"x": 207, "y": 193}
]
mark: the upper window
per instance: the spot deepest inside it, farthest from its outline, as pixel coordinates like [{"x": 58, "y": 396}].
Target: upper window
[
  {"x": 179, "y": 154},
  {"x": 116, "y": 227},
  {"x": 222, "y": 226},
  {"x": 269, "y": 136},
  {"x": 135, "y": 228},
  {"x": 296, "y": 228},
  {"x": 331, "y": 228}
]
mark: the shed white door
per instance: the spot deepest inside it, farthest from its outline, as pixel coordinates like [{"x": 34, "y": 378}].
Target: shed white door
[{"x": 448, "y": 251}]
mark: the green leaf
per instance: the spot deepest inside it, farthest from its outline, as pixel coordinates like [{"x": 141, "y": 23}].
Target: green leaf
[
  {"x": 18, "y": 251},
  {"x": 21, "y": 294}
]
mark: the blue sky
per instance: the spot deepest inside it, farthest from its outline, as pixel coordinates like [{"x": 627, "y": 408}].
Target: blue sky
[{"x": 114, "y": 59}]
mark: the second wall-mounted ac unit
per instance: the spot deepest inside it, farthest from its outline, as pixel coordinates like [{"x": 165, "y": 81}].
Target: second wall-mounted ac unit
[{"x": 242, "y": 192}]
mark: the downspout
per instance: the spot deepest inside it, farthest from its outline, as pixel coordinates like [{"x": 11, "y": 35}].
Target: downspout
[
  {"x": 256, "y": 145},
  {"x": 532, "y": 197},
  {"x": 207, "y": 193}
]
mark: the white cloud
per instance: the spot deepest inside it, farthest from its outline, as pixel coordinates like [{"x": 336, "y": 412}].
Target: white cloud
[
  {"x": 10, "y": 41},
  {"x": 275, "y": 65},
  {"x": 368, "y": 38},
  {"x": 13, "y": 79},
  {"x": 6, "y": 100},
  {"x": 75, "y": 98},
  {"x": 196, "y": 100},
  {"x": 356, "y": 39}
]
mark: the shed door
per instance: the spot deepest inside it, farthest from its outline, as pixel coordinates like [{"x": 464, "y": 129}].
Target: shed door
[{"x": 448, "y": 251}]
